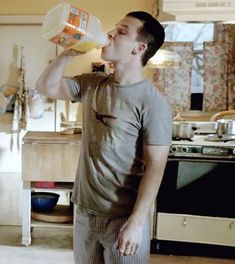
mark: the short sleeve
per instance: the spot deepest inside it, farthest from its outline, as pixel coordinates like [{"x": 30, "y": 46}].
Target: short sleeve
[
  {"x": 158, "y": 121},
  {"x": 74, "y": 87},
  {"x": 79, "y": 85}
]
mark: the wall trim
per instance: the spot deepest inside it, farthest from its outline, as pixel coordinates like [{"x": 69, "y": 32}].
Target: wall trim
[{"x": 21, "y": 19}]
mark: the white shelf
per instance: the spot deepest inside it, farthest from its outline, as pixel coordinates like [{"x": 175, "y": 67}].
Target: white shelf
[
  {"x": 28, "y": 222},
  {"x": 37, "y": 223}
]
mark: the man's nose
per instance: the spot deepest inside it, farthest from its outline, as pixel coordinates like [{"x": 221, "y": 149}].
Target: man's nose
[{"x": 112, "y": 33}]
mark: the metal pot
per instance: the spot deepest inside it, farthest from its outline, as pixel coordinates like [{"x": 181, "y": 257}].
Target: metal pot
[
  {"x": 183, "y": 130},
  {"x": 225, "y": 127}
]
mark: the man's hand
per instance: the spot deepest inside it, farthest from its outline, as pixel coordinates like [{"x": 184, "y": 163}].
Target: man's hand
[
  {"x": 129, "y": 238},
  {"x": 70, "y": 53},
  {"x": 130, "y": 235}
]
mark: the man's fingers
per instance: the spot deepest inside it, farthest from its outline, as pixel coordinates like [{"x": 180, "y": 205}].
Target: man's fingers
[
  {"x": 71, "y": 52},
  {"x": 128, "y": 249},
  {"x": 119, "y": 243},
  {"x": 122, "y": 248},
  {"x": 134, "y": 250}
]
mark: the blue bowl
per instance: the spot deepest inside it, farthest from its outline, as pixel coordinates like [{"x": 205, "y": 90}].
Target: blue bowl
[{"x": 43, "y": 201}]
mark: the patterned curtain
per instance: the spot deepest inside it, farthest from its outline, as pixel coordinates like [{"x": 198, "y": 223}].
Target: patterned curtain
[
  {"x": 219, "y": 75},
  {"x": 176, "y": 83}
]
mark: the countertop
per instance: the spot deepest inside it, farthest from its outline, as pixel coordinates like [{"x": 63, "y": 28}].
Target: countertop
[
  {"x": 196, "y": 115},
  {"x": 50, "y": 137}
]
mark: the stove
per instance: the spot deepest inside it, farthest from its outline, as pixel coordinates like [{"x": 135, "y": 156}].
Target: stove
[
  {"x": 196, "y": 191},
  {"x": 205, "y": 144}
]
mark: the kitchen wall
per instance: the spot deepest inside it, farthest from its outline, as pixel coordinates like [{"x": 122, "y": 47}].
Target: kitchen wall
[
  {"x": 10, "y": 161},
  {"x": 108, "y": 12}
]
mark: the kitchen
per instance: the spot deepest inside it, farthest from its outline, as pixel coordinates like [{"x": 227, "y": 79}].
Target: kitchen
[{"x": 26, "y": 8}]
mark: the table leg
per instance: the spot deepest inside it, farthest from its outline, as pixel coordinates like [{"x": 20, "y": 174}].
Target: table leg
[{"x": 26, "y": 215}]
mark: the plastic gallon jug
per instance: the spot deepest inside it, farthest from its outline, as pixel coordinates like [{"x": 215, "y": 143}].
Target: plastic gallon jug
[{"x": 73, "y": 28}]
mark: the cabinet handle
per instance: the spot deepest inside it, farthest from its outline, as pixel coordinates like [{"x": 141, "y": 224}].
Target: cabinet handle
[
  {"x": 231, "y": 225},
  {"x": 184, "y": 221}
]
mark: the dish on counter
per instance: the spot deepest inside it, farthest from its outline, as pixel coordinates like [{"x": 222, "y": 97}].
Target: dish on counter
[
  {"x": 70, "y": 127},
  {"x": 217, "y": 138}
]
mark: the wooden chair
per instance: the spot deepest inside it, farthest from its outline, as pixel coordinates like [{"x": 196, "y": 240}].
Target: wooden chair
[{"x": 228, "y": 114}]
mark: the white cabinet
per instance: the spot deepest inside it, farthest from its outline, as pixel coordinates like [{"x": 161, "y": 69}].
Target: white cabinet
[{"x": 46, "y": 156}]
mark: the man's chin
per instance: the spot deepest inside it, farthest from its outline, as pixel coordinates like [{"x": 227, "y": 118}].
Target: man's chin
[{"x": 104, "y": 56}]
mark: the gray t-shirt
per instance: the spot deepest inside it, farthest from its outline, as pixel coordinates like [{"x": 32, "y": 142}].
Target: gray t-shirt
[{"x": 117, "y": 121}]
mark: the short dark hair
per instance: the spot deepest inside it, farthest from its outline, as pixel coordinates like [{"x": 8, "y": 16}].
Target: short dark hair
[{"x": 152, "y": 33}]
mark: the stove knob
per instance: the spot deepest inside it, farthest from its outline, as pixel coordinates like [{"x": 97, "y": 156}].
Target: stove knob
[
  {"x": 185, "y": 149},
  {"x": 174, "y": 149}
]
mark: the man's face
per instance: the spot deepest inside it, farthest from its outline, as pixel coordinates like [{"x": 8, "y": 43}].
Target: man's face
[{"x": 122, "y": 41}]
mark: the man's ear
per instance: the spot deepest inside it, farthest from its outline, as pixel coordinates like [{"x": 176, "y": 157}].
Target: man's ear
[{"x": 140, "y": 48}]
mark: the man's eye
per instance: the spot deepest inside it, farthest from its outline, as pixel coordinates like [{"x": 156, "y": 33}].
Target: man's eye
[{"x": 122, "y": 32}]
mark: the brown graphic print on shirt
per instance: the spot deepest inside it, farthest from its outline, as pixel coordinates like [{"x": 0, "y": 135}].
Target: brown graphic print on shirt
[{"x": 104, "y": 119}]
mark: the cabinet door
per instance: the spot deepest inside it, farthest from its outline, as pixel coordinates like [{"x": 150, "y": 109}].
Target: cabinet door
[
  {"x": 199, "y": 229},
  {"x": 50, "y": 162}
]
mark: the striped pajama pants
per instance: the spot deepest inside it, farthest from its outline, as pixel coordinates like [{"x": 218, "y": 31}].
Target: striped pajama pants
[{"x": 95, "y": 237}]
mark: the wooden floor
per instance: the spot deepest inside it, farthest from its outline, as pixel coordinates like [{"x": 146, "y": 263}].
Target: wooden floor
[
  {"x": 164, "y": 259},
  {"x": 56, "y": 244}
]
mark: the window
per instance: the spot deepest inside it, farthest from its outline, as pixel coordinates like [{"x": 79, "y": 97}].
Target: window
[{"x": 196, "y": 33}]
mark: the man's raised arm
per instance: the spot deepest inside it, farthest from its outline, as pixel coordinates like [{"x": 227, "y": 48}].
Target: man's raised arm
[{"x": 51, "y": 82}]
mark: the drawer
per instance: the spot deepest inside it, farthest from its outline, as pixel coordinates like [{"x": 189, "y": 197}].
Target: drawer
[
  {"x": 198, "y": 229},
  {"x": 50, "y": 162}
]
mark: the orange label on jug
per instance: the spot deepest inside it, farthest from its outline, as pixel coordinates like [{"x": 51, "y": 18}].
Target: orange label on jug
[{"x": 74, "y": 30}]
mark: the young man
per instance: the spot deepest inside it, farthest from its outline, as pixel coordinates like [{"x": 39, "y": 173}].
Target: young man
[{"x": 127, "y": 128}]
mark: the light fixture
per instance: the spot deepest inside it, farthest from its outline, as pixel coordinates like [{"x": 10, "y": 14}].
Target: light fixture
[
  {"x": 228, "y": 22},
  {"x": 164, "y": 59}
]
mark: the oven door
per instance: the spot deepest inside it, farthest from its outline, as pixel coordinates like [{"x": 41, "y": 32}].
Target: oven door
[
  {"x": 195, "y": 202},
  {"x": 200, "y": 187}
]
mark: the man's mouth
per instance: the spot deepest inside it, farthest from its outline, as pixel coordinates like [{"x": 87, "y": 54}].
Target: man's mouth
[{"x": 106, "y": 45}]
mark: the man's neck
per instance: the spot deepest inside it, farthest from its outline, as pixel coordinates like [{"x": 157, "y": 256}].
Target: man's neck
[{"x": 127, "y": 75}]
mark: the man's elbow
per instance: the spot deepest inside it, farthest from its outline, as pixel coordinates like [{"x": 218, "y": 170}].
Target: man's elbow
[
  {"x": 43, "y": 87},
  {"x": 39, "y": 85},
  {"x": 53, "y": 90}
]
